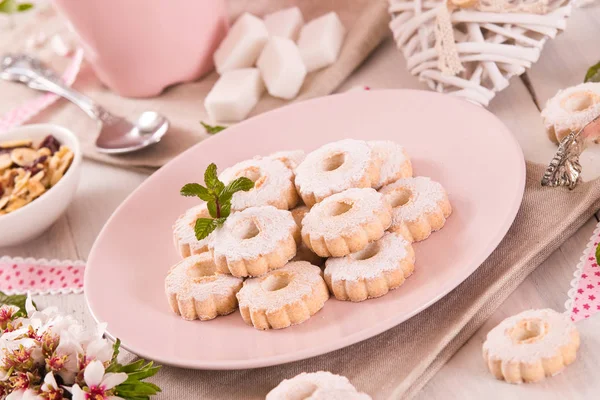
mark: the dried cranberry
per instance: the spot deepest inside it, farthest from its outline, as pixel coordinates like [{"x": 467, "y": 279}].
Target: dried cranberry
[
  {"x": 1, "y": 190},
  {"x": 50, "y": 143}
]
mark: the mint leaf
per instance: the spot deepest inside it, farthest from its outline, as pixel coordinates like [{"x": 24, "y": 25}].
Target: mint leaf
[
  {"x": 598, "y": 254},
  {"x": 240, "y": 184},
  {"x": 213, "y": 209},
  {"x": 204, "y": 227},
  {"x": 593, "y": 73},
  {"x": 195, "y": 189},
  {"x": 212, "y": 129},
  {"x": 17, "y": 300},
  {"x": 24, "y": 7},
  {"x": 211, "y": 179},
  {"x": 225, "y": 209}
]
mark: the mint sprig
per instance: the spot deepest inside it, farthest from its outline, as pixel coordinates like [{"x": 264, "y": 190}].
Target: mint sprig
[
  {"x": 134, "y": 388},
  {"x": 217, "y": 197},
  {"x": 598, "y": 254},
  {"x": 593, "y": 73},
  {"x": 212, "y": 129}
]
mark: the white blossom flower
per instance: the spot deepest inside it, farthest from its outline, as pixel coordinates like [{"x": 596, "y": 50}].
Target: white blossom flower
[
  {"x": 24, "y": 394},
  {"x": 99, "y": 384}
]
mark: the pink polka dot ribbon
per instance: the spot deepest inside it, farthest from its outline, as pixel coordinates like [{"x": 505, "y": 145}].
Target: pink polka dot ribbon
[
  {"x": 18, "y": 276},
  {"x": 584, "y": 296}
]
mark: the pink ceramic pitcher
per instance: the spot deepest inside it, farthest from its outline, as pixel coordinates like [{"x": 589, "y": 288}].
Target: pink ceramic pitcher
[{"x": 139, "y": 47}]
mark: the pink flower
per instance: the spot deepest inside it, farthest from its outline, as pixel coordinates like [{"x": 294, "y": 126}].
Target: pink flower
[
  {"x": 99, "y": 385},
  {"x": 50, "y": 389},
  {"x": 7, "y": 314}
]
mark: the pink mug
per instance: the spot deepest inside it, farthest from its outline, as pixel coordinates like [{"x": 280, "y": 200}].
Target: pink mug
[{"x": 139, "y": 47}]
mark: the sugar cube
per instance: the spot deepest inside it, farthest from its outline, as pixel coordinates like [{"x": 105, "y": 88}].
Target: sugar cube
[
  {"x": 321, "y": 40},
  {"x": 242, "y": 45},
  {"x": 234, "y": 95},
  {"x": 285, "y": 23},
  {"x": 282, "y": 68}
]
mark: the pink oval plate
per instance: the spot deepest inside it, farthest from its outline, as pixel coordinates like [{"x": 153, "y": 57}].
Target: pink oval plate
[{"x": 461, "y": 145}]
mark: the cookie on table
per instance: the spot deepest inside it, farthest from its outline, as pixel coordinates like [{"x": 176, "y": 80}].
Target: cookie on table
[
  {"x": 531, "y": 345},
  {"x": 420, "y": 206},
  {"x": 346, "y": 222},
  {"x": 571, "y": 109},
  {"x": 283, "y": 297},
  {"x": 196, "y": 290},
  {"x": 372, "y": 272},
  {"x": 273, "y": 184},
  {"x": 321, "y": 385},
  {"x": 335, "y": 167},
  {"x": 255, "y": 241}
]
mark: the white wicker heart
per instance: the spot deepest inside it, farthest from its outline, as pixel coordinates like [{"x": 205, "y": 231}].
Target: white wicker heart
[{"x": 471, "y": 48}]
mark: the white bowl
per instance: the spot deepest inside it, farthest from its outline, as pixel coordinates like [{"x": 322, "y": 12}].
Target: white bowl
[{"x": 34, "y": 218}]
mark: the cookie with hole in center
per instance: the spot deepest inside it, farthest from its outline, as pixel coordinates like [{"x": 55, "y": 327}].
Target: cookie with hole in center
[
  {"x": 346, "y": 222},
  {"x": 320, "y": 385},
  {"x": 184, "y": 236},
  {"x": 336, "y": 167},
  {"x": 372, "y": 272},
  {"x": 284, "y": 297},
  {"x": 420, "y": 206},
  {"x": 531, "y": 345},
  {"x": 255, "y": 241},
  {"x": 196, "y": 290}
]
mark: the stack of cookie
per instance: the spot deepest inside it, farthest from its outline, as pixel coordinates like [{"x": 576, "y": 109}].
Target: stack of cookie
[{"x": 352, "y": 206}]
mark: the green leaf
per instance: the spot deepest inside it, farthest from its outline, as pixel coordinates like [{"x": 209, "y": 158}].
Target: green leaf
[
  {"x": 240, "y": 184},
  {"x": 598, "y": 254},
  {"x": 212, "y": 208},
  {"x": 212, "y": 129},
  {"x": 211, "y": 176},
  {"x": 225, "y": 209},
  {"x": 211, "y": 179},
  {"x": 24, "y": 7},
  {"x": 116, "y": 350},
  {"x": 204, "y": 227},
  {"x": 8, "y": 6},
  {"x": 17, "y": 300},
  {"x": 195, "y": 189},
  {"x": 593, "y": 73}
]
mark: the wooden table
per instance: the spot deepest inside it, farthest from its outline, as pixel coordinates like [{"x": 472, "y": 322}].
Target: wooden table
[{"x": 563, "y": 63}]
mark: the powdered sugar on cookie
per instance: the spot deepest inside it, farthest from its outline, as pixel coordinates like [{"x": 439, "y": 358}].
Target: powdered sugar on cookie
[
  {"x": 395, "y": 163},
  {"x": 184, "y": 236},
  {"x": 273, "y": 184},
  {"x": 336, "y": 167}
]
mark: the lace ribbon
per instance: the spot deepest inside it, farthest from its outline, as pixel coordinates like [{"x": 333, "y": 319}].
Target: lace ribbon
[{"x": 19, "y": 276}]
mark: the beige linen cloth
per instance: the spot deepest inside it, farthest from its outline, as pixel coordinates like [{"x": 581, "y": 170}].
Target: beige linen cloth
[
  {"x": 366, "y": 22},
  {"x": 398, "y": 363}
]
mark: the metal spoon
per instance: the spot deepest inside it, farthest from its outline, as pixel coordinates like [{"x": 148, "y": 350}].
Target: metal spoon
[{"x": 117, "y": 135}]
